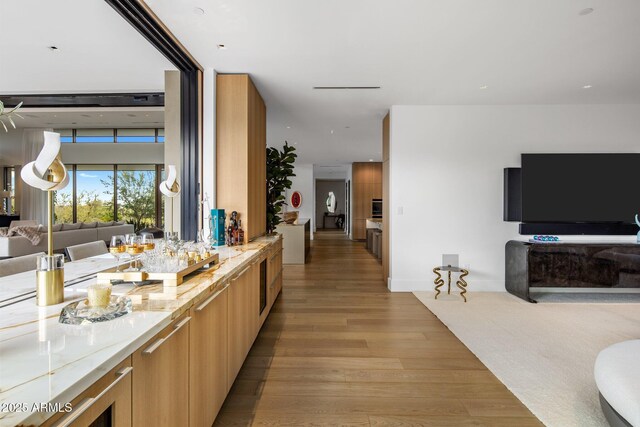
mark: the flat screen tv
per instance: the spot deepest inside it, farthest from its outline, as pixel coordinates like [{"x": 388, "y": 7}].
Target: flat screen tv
[{"x": 580, "y": 188}]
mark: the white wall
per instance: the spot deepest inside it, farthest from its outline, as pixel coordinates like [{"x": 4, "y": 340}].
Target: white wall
[
  {"x": 304, "y": 183},
  {"x": 172, "y": 144},
  {"x": 209, "y": 145},
  {"x": 107, "y": 153},
  {"x": 446, "y": 177}
]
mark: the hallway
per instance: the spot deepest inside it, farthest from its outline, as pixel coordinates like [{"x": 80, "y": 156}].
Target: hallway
[{"x": 339, "y": 349}]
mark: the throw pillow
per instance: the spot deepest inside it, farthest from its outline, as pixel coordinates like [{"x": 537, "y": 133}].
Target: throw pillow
[
  {"x": 105, "y": 224},
  {"x": 54, "y": 228},
  {"x": 89, "y": 224},
  {"x": 75, "y": 226}
]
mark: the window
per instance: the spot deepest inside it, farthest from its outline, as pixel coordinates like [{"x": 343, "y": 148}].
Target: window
[
  {"x": 63, "y": 201},
  {"x": 94, "y": 135},
  {"x": 110, "y": 136},
  {"x": 108, "y": 192},
  {"x": 136, "y": 195},
  {"x": 136, "y": 135},
  {"x": 94, "y": 193},
  {"x": 66, "y": 135},
  {"x": 9, "y": 203}
]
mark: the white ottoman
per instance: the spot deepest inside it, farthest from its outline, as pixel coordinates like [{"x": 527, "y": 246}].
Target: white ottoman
[{"x": 617, "y": 373}]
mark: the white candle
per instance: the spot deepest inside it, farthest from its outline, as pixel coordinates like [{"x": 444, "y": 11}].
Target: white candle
[{"x": 99, "y": 295}]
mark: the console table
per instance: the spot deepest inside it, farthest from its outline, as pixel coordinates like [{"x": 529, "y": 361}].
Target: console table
[{"x": 570, "y": 265}]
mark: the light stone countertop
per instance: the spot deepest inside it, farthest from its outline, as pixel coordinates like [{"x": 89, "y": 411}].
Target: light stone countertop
[{"x": 43, "y": 361}]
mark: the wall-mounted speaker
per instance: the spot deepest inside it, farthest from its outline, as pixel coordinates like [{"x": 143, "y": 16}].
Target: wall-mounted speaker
[{"x": 512, "y": 202}]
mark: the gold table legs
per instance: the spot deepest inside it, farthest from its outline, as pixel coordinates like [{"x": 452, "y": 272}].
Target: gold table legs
[{"x": 461, "y": 283}]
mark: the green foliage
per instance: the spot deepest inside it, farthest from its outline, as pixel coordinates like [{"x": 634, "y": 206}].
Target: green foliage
[
  {"x": 136, "y": 201},
  {"x": 279, "y": 170},
  {"x": 136, "y": 197},
  {"x": 63, "y": 208},
  {"x": 91, "y": 208}
]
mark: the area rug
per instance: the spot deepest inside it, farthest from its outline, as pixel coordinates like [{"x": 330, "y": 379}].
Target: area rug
[{"x": 544, "y": 353}]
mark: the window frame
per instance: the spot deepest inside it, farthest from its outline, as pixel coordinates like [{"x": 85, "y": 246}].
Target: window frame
[
  {"x": 74, "y": 136},
  {"x": 157, "y": 168}
]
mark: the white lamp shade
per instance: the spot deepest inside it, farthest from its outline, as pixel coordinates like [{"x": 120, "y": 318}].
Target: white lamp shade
[
  {"x": 170, "y": 186},
  {"x": 35, "y": 173}
]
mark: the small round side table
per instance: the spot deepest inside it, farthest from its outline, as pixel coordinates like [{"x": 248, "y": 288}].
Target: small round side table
[{"x": 461, "y": 283}]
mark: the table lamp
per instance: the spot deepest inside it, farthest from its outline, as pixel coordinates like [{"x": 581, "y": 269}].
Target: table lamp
[{"x": 48, "y": 173}]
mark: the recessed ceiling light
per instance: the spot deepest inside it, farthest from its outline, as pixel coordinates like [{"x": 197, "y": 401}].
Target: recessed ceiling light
[
  {"x": 586, "y": 11},
  {"x": 371, "y": 160},
  {"x": 52, "y": 48},
  {"x": 483, "y": 87},
  {"x": 331, "y": 131},
  {"x": 587, "y": 87},
  {"x": 221, "y": 46},
  {"x": 198, "y": 11},
  {"x": 288, "y": 127},
  {"x": 55, "y": 115},
  {"x": 101, "y": 115}
]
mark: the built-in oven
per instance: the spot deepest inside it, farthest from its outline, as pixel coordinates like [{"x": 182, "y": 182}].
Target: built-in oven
[{"x": 376, "y": 208}]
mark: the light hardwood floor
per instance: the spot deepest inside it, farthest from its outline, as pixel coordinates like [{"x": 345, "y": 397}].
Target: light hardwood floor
[{"x": 339, "y": 349}]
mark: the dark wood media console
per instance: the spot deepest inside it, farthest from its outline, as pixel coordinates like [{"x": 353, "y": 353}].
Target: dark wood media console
[{"x": 570, "y": 265}]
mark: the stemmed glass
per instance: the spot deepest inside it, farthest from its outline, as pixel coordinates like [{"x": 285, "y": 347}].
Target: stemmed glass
[
  {"x": 146, "y": 240},
  {"x": 116, "y": 248},
  {"x": 133, "y": 248}
]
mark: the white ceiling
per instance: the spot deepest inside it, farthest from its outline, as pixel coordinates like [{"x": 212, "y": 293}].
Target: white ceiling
[
  {"x": 329, "y": 171},
  {"x": 98, "y": 51},
  {"x": 76, "y": 118},
  {"x": 419, "y": 51}
]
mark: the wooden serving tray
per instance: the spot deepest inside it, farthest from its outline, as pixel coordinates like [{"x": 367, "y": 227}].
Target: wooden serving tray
[{"x": 168, "y": 279}]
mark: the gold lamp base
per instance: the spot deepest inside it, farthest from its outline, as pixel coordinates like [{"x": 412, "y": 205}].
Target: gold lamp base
[{"x": 50, "y": 280}]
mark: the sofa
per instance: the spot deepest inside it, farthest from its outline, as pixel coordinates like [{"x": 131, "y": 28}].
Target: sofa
[{"x": 64, "y": 235}]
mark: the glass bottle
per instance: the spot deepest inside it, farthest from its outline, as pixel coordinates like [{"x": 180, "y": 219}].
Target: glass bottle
[{"x": 240, "y": 233}]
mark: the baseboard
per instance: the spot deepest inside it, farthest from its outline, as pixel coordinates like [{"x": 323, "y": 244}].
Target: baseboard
[{"x": 408, "y": 285}]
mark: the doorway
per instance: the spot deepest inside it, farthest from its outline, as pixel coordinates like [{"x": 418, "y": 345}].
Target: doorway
[{"x": 326, "y": 220}]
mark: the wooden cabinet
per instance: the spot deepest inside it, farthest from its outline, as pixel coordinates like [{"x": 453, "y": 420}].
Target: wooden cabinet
[
  {"x": 161, "y": 378},
  {"x": 241, "y": 165},
  {"x": 181, "y": 376},
  {"x": 208, "y": 384},
  {"x": 366, "y": 185},
  {"x": 243, "y": 319},
  {"x": 109, "y": 398}
]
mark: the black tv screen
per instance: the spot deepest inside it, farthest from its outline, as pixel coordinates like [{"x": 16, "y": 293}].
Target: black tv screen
[{"x": 580, "y": 188}]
